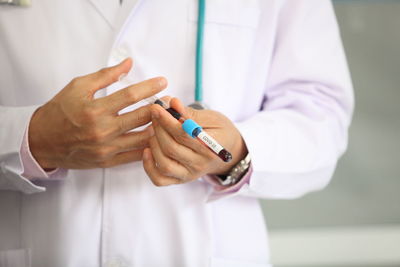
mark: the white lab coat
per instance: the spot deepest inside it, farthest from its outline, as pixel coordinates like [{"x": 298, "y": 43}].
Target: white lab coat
[{"x": 284, "y": 57}]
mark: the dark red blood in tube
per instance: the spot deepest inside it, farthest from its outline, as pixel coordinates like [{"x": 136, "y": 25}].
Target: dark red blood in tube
[{"x": 225, "y": 155}]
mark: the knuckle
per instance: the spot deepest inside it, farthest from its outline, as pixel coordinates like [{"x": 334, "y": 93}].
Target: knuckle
[
  {"x": 97, "y": 136},
  {"x": 199, "y": 167},
  {"x": 106, "y": 73},
  {"x": 121, "y": 126},
  {"x": 75, "y": 82},
  {"x": 182, "y": 138},
  {"x": 102, "y": 153},
  {"x": 166, "y": 169},
  {"x": 152, "y": 142},
  {"x": 170, "y": 151},
  {"x": 138, "y": 117},
  {"x": 131, "y": 94},
  {"x": 142, "y": 140},
  {"x": 141, "y": 117},
  {"x": 158, "y": 182},
  {"x": 97, "y": 107},
  {"x": 188, "y": 162},
  {"x": 185, "y": 178},
  {"x": 90, "y": 113}
]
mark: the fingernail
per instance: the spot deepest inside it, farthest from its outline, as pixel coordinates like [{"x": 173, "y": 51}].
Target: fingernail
[{"x": 162, "y": 82}]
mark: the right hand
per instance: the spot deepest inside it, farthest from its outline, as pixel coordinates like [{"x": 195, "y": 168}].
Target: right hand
[{"x": 75, "y": 131}]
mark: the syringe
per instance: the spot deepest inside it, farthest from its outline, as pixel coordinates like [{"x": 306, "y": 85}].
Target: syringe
[{"x": 194, "y": 130}]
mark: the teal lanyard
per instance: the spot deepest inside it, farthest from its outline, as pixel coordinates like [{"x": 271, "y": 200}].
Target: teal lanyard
[{"x": 199, "y": 52}]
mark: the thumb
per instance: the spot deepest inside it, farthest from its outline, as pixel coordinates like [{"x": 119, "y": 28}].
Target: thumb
[
  {"x": 206, "y": 118},
  {"x": 108, "y": 76},
  {"x": 187, "y": 112}
]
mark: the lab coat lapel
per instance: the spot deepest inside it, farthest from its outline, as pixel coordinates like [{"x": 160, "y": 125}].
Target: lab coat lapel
[
  {"x": 107, "y": 9},
  {"x": 128, "y": 7},
  {"x": 114, "y": 13}
]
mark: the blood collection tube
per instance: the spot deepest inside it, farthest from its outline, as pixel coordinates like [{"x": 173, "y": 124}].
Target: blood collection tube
[{"x": 195, "y": 131}]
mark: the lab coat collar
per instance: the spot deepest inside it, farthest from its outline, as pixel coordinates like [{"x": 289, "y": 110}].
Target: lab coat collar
[
  {"x": 127, "y": 8},
  {"x": 114, "y": 13}
]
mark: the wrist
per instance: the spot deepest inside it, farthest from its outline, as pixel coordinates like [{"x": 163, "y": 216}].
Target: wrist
[
  {"x": 236, "y": 173},
  {"x": 36, "y": 142}
]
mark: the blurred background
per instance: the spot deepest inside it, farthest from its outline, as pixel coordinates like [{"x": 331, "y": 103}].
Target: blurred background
[{"x": 355, "y": 221}]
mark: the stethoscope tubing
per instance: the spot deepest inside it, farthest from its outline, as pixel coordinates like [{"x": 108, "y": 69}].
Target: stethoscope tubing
[{"x": 199, "y": 52}]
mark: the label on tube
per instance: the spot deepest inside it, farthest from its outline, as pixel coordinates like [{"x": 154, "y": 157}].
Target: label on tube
[{"x": 212, "y": 143}]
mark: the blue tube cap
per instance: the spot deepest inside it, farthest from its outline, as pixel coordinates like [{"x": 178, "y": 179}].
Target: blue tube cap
[{"x": 190, "y": 127}]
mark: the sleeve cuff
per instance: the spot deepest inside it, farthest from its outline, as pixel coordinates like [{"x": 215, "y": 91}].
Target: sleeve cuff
[{"x": 220, "y": 191}]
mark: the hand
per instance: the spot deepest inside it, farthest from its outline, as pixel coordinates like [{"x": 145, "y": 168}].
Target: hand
[
  {"x": 73, "y": 130},
  {"x": 174, "y": 157}
]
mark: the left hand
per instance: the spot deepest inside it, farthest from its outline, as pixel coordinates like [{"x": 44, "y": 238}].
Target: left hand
[{"x": 174, "y": 157}]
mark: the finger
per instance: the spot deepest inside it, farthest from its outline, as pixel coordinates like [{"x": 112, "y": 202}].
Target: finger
[
  {"x": 166, "y": 99},
  {"x": 169, "y": 146},
  {"x": 176, "y": 104},
  {"x": 174, "y": 128},
  {"x": 122, "y": 158},
  {"x": 132, "y": 119},
  {"x": 200, "y": 116},
  {"x": 107, "y": 76},
  {"x": 133, "y": 94},
  {"x": 166, "y": 165},
  {"x": 132, "y": 141},
  {"x": 154, "y": 174}
]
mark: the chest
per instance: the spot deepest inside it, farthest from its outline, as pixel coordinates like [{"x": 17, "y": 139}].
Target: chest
[{"x": 52, "y": 42}]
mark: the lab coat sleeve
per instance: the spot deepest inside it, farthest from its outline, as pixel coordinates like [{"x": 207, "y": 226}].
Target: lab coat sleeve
[
  {"x": 13, "y": 122},
  {"x": 297, "y": 138}
]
